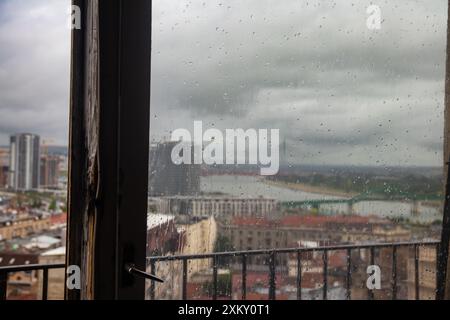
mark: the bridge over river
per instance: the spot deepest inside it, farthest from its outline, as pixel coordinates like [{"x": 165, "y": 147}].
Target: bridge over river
[{"x": 364, "y": 197}]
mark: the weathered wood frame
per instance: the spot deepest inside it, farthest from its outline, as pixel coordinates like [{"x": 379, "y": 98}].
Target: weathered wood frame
[{"x": 109, "y": 146}]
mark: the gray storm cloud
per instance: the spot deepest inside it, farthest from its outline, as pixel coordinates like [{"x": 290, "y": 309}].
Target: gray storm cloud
[
  {"x": 34, "y": 68},
  {"x": 339, "y": 92}
]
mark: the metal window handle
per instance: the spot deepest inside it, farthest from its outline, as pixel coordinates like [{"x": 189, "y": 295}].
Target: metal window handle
[{"x": 131, "y": 269}]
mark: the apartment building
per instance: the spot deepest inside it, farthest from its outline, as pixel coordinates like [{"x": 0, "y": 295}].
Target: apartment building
[
  {"x": 220, "y": 206},
  {"x": 261, "y": 233},
  {"x": 22, "y": 226}
]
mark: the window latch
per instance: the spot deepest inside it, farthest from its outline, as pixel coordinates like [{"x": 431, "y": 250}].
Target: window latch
[{"x": 131, "y": 269}]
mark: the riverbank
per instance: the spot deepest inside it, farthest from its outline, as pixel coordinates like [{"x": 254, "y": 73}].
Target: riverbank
[{"x": 310, "y": 189}]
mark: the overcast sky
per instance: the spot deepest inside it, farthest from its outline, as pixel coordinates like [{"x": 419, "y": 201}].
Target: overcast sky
[{"x": 339, "y": 92}]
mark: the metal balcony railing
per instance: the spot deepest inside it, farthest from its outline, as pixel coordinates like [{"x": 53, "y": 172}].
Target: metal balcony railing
[
  {"x": 271, "y": 255},
  {"x": 244, "y": 256},
  {"x": 6, "y": 271}
]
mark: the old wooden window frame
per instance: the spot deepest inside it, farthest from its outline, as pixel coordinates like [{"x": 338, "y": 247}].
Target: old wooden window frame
[{"x": 109, "y": 143}]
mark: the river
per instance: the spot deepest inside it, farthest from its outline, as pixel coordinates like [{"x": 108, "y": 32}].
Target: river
[{"x": 248, "y": 186}]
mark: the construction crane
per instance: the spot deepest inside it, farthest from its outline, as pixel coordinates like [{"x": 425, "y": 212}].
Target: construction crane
[{"x": 45, "y": 145}]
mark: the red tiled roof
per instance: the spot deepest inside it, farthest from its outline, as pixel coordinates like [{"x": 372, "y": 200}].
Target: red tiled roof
[
  {"x": 256, "y": 296},
  {"x": 252, "y": 279},
  {"x": 301, "y": 220},
  {"x": 337, "y": 259},
  {"x": 59, "y": 219},
  {"x": 259, "y": 279},
  {"x": 296, "y": 220},
  {"x": 193, "y": 289},
  {"x": 256, "y": 222},
  {"x": 310, "y": 280}
]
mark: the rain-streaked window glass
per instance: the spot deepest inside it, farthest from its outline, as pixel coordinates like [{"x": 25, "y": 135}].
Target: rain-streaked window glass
[{"x": 301, "y": 125}]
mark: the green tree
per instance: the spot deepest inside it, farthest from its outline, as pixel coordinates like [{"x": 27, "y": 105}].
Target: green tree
[
  {"x": 223, "y": 286},
  {"x": 52, "y": 206},
  {"x": 223, "y": 244}
]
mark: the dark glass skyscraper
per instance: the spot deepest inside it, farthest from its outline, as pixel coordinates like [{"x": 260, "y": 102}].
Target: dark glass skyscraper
[{"x": 169, "y": 179}]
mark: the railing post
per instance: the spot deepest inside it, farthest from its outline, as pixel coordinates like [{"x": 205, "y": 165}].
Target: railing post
[
  {"x": 152, "y": 283},
  {"x": 3, "y": 285},
  {"x": 244, "y": 277},
  {"x": 394, "y": 273},
  {"x": 45, "y": 284},
  {"x": 349, "y": 274},
  {"x": 185, "y": 274},
  {"x": 299, "y": 275},
  {"x": 416, "y": 271},
  {"x": 215, "y": 278},
  {"x": 272, "y": 280},
  {"x": 370, "y": 293},
  {"x": 441, "y": 272},
  {"x": 325, "y": 274}
]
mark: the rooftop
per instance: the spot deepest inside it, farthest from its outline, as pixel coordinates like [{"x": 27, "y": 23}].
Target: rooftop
[
  {"x": 157, "y": 219},
  {"x": 42, "y": 242},
  {"x": 309, "y": 220},
  {"x": 61, "y": 251},
  {"x": 216, "y": 197},
  {"x": 12, "y": 259}
]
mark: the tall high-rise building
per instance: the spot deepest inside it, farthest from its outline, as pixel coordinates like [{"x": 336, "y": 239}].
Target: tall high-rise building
[
  {"x": 49, "y": 171},
  {"x": 24, "y": 161},
  {"x": 169, "y": 179},
  {"x": 4, "y": 167}
]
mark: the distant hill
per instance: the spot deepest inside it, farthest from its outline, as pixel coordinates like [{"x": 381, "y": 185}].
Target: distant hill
[{"x": 53, "y": 150}]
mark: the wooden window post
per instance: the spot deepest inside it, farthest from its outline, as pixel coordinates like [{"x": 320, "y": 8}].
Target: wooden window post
[{"x": 109, "y": 146}]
